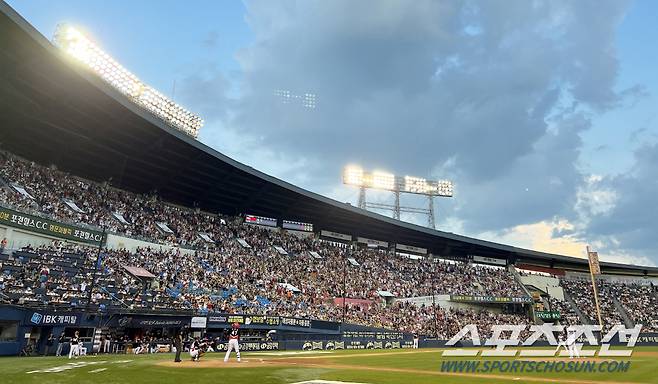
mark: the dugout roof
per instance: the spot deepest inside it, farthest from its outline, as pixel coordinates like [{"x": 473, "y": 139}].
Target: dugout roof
[{"x": 54, "y": 112}]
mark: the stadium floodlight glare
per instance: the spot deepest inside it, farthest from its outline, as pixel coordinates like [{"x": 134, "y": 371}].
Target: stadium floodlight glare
[
  {"x": 353, "y": 175},
  {"x": 356, "y": 176},
  {"x": 73, "y": 42},
  {"x": 383, "y": 180}
]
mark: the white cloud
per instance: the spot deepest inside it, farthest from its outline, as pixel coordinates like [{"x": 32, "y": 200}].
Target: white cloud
[{"x": 539, "y": 236}]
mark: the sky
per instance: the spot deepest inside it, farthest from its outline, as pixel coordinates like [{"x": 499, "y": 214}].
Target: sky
[{"x": 543, "y": 113}]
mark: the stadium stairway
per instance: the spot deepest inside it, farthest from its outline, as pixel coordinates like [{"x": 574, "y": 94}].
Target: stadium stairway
[
  {"x": 583, "y": 319},
  {"x": 517, "y": 278},
  {"x": 622, "y": 312},
  {"x": 545, "y": 302}
]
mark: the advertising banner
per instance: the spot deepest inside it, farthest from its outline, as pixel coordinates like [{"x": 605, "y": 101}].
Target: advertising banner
[
  {"x": 140, "y": 321},
  {"x": 198, "y": 322},
  {"x": 548, "y": 315},
  {"x": 45, "y": 318},
  {"x": 295, "y": 322},
  {"x": 48, "y": 227},
  {"x": 336, "y": 235},
  {"x": 489, "y": 299},
  {"x": 251, "y": 346},
  {"x": 356, "y": 343}
]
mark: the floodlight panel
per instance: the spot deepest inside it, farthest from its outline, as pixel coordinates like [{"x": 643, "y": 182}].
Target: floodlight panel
[
  {"x": 353, "y": 176},
  {"x": 444, "y": 188},
  {"x": 422, "y": 186},
  {"x": 383, "y": 180},
  {"x": 73, "y": 42},
  {"x": 416, "y": 185}
]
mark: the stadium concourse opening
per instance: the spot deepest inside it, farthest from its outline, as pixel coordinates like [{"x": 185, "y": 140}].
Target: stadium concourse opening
[{"x": 142, "y": 240}]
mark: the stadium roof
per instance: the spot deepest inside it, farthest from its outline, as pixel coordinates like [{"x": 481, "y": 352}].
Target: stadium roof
[{"x": 53, "y": 111}]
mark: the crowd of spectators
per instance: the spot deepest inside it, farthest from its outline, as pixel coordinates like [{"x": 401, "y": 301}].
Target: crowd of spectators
[
  {"x": 67, "y": 198},
  {"x": 638, "y": 301},
  {"x": 57, "y": 274},
  {"x": 444, "y": 323},
  {"x": 223, "y": 275},
  {"x": 583, "y": 295},
  {"x": 256, "y": 280},
  {"x": 567, "y": 314},
  {"x": 634, "y": 299}
]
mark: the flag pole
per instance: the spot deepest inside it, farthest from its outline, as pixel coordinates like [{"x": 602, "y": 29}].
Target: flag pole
[{"x": 591, "y": 256}]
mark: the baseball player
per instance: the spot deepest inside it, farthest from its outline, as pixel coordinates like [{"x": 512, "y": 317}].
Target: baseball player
[
  {"x": 415, "y": 346},
  {"x": 561, "y": 343},
  {"x": 195, "y": 349},
  {"x": 572, "y": 345},
  {"x": 233, "y": 340},
  {"x": 75, "y": 345}
]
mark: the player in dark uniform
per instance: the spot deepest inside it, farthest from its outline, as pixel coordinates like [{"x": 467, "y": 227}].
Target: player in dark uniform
[{"x": 178, "y": 344}]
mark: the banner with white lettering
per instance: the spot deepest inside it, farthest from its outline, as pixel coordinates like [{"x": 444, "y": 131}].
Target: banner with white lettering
[
  {"x": 48, "y": 227},
  {"x": 43, "y": 318}
]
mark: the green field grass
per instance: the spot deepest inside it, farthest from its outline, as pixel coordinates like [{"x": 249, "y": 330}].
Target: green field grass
[{"x": 382, "y": 366}]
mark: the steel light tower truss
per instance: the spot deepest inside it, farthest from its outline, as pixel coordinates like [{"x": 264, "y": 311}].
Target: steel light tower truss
[{"x": 356, "y": 176}]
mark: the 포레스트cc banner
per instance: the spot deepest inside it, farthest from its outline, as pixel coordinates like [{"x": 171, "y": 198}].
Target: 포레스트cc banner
[{"x": 48, "y": 227}]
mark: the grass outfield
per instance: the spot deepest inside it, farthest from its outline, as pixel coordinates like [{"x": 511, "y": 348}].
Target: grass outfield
[{"x": 364, "y": 366}]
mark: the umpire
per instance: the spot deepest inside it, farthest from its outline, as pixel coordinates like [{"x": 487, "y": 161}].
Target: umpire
[{"x": 178, "y": 343}]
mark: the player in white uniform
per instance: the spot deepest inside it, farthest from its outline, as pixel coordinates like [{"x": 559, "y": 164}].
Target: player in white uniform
[
  {"x": 573, "y": 345},
  {"x": 233, "y": 342},
  {"x": 196, "y": 349},
  {"x": 75, "y": 345},
  {"x": 561, "y": 343}
]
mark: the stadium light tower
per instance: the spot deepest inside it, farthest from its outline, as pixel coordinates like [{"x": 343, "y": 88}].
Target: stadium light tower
[
  {"x": 356, "y": 176},
  {"x": 78, "y": 46}
]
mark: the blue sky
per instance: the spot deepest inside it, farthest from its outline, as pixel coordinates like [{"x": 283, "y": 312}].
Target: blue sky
[
  {"x": 635, "y": 40},
  {"x": 157, "y": 40},
  {"x": 543, "y": 113}
]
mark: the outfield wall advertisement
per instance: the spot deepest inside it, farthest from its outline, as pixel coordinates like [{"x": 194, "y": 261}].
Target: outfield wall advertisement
[
  {"x": 287, "y": 338},
  {"x": 221, "y": 320}
]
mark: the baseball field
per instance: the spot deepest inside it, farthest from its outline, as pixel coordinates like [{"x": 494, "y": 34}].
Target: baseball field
[{"x": 363, "y": 366}]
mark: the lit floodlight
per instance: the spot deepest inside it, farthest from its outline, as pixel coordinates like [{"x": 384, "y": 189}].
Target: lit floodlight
[
  {"x": 444, "y": 188},
  {"x": 73, "y": 42},
  {"x": 383, "y": 180},
  {"x": 353, "y": 176},
  {"x": 416, "y": 185}
]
